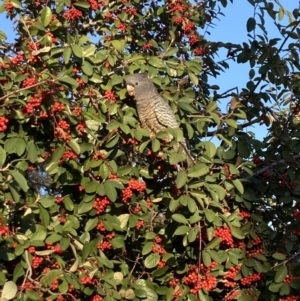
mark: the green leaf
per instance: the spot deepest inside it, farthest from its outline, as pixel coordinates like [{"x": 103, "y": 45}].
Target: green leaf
[
  {"x": 85, "y": 207},
  {"x": 182, "y": 230},
  {"x": 281, "y": 274},
  {"x": 152, "y": 260},
  {"x": 209, "y": 215},
  {"x": 194, "y": 79},
  {"x": 2, "y": 156},
  {"x": 67, "y": 54},
  {"x": 238, "y": 185},
  {"x": 31, "y": 152},
  {"x": 46, "y": 15},
  {"x": 91, "y": 224},
  {"x": 20, "y": 179},
  {"x": 179, "y": 218},
  {"x": 198, "y": 170},
  {"x": 156, "y": 62},
  {"x": 68, "y": 80},
  {"x": 119, "y": 45},
  {"x": 171, "y": 51},
  {"x": 110, "y": 190},
  {"x": 77, "y": 50},
  {"x": 280, "y": 13},
  {"x": 181, "y": 179},
  {"x": 279, "y": 256},
  {"x": 251, "y": 24},
  {"x": 275, "y": 287},
  {"x": 232, "y": 123},
  {"x": 87, "y": 68},
  {"x": 9, "y": 290}
]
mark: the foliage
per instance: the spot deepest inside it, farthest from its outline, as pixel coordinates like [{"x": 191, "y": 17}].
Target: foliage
[{"x": 93, "y": 209}]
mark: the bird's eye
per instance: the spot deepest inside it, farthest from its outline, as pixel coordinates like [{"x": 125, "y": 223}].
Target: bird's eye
[{"x": 136, "y": 84}]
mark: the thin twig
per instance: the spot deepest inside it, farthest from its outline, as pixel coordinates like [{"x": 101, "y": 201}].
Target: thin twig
[{"x": 22, "y": 89}]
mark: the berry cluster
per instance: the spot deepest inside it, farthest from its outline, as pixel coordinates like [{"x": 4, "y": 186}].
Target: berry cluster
[
  {"x": 28, "y": 82},
  {"x": 100, "y": 204},
  {"x": 58, "y": 199},
  {"x": 225, "y": 235},
  {"x": 54, "y": 285},
  {"x": 36, "y": 262},
  {"x": 290, "y": 298},
  {"x": 17, "y": 59},
  {"x": 3, "y": 124},
  {"x": 104, "y": 245},
  {"x": 96, "y": 297},
  {"x": 57, "y": 107},
  {"x": 257, "y": 160},
  {"x": 139, "y": 224},
  {"x": 72, "y": 14},
  {"x": 8, "y": 7},
  {"x": 94, "y": 6},
  {"x": 244, "y": 214},
  {"x": 161, "y": 264},
  {"x": 100, "y": 227},
  {"x": 110, "y": 96},
  {"x": 85, "y": 280},
  {"x": 135, "y": 185},
  {"x": 173, "y": 282},
  {"x": 69, "y": 155},
  {"x": 232, "y": 295},
  {"x": 296, "y": 214},
  {"x": 250, "y": 279},
  {"x": 200, "y": 51},
  {"x": 158, "y": 249},
  {"x": 4, "y": 230}
]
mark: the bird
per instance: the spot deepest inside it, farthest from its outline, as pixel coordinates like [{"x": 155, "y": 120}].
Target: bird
[{"x": 154, "y": 112}]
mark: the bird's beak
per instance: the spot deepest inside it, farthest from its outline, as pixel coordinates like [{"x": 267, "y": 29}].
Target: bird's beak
[{"x": 130, "y": 90}]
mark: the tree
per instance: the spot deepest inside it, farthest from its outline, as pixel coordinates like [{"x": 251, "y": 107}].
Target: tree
[{"x": 93, "y": 209}]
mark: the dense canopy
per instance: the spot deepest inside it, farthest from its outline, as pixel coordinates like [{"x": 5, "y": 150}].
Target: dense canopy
[{"x": 93, "y": 208}]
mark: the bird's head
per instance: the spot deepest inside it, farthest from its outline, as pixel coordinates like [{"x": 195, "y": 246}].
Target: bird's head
[{"x": 137, "y": 84}]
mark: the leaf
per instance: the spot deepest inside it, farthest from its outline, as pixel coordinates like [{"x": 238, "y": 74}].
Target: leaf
[
  {"x": 87, "y": 68},
  {"x": 198, "y": 170},
  {"x": 179, "y": 218},
  {"x": 110, "y": 190},
  {"x": 20, "y": 179},
  {"x": 181, "y": 179},
  {"x": 46, "y": 15},
  {"x": 2, "y": 156},
  {"x": 279, "y": 256},
  {"x": 232, "y": 123},
  {"x": 152, "y": 260},
  {"x": 280, "y": 13},
  {"x": 129, "y": 294},
  {"x": 209, "y": 215},
  {"x": 85, "y": 207},
  {"x": 67, "y": 54},
  {"x": 9, "y": 290},
  {"x": 182, "y": 230},
  {"x": 194, "y": 79},
  {"x": 77, "y": 50},
  {"x": 31, "y": 151},
  {"x": 68, "y": 80},
  {"x": 156, "y": 62},
  {"x": 281, "y": 274},
  {"x": 119, "y": 45},
  {"x": 238, "y": 185},
  {"x": 251, "y": 24},
  {"x": 123, "y": 218},
  {"x": 91, "y": 224}
]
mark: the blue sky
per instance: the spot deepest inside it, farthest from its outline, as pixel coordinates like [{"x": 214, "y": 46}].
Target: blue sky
[{"x": 229, "y": 28}]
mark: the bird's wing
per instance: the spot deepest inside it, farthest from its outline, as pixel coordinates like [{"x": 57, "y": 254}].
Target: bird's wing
[{"x": 164, "y": 114}]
